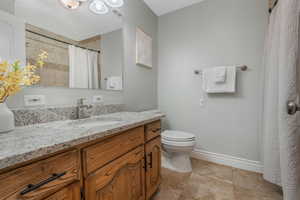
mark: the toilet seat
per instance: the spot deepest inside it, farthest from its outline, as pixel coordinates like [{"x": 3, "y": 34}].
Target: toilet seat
[
  {"x": 177, "y": 136},
  {"x": 177, "y": 146}
]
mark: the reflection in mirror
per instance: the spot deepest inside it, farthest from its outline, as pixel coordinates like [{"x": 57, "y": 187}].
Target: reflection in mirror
[{"x": 85, "y": 49}]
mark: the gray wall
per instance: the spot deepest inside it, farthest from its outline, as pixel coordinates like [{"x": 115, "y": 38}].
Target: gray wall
[
  {"x": 140, "y": 83},
  {"x": 112, "y": 55},
  {"x": 8, "y": 5},
  {"x": 214, "y": 33},
  {"x": 62, "y": 96}
]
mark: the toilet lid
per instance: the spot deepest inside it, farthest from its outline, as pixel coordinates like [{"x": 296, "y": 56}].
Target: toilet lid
[{"x": 178, "y": 136}]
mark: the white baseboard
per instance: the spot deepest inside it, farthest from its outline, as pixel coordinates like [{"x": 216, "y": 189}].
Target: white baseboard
[{"x": 235, "y": 162}]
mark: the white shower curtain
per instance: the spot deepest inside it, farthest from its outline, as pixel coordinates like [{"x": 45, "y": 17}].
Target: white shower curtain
[
  {"x": 281, "y": 144},
  {"x": 92, "y": 58},
  {"x": 78, "y": 69},
  {"x": 83, "y": 68}
]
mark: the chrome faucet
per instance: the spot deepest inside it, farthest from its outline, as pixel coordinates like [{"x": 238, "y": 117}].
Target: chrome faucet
[{"x": 83, "y": 110}]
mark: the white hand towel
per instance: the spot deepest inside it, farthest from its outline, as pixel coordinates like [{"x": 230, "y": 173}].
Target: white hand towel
[
  {"x": 210, "y": 86},
  {"x": 220, "y": 74}
]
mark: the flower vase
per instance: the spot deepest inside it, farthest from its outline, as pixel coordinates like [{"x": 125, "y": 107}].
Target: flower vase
[{"x": 7, "y": 120}]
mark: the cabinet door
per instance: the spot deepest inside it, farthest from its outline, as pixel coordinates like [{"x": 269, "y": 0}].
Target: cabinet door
[
  {"x": 71, "y": 192},
  {"x": 122, "y": 179},
  {"x": 153, "y": 171}
]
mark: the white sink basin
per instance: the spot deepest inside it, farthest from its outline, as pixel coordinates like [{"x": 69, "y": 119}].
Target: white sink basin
[
  {"x": 99, "y": 123},
  {"x": 90, "y": 123}
]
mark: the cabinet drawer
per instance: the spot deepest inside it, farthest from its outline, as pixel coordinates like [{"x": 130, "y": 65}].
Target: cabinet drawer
[
  {"x": 104, "y": 152},
  {"x": 152, "y": 130},
  {"x": 40, "y": 179}
]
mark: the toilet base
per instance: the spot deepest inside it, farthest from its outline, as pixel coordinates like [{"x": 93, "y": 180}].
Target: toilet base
[{"x": 177, "y": 161}]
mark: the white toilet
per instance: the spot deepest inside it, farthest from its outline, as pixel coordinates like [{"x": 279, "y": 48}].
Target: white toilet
[{"x": 177, "y": 147}]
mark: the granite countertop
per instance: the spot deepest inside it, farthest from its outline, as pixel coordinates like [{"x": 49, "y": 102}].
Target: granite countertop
[{"x": 30, "y": 142}]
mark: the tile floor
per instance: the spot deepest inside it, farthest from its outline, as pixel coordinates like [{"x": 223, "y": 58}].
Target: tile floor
[{"x": 210, "y": 181}]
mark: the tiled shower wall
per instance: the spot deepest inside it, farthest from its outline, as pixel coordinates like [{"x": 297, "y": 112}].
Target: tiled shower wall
[
  {"x": 56, "y": 70},
  {"x": 55, "y": 73}
]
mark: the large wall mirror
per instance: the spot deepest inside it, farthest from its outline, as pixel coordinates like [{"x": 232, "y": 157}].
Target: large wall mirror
[{"x": 85, "y": 46}]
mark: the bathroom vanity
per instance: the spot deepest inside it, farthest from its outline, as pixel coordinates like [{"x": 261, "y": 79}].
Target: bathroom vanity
[
  {"x": 54, "y": 154},
  {"x": 121, "y": 161}
]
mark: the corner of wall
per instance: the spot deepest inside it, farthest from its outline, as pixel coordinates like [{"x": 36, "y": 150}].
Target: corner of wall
[{"x": 8, "y": 6}]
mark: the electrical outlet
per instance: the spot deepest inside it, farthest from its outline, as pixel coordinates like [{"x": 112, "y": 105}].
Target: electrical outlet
[
  {"x": 34, "y": 100},
  {"x": 98, "y": 99}
]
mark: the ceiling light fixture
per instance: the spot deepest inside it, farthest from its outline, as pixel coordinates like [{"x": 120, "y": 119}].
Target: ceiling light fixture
[
  {"x": 70, "y": 4},
  {"x": 98, "y": 7},
  {"x": 114, "y": 3}
]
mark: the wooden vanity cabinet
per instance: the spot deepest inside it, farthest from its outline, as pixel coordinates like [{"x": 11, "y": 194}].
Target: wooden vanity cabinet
[
  {"x": 123, "y": 167},
  {"x": 71, "y": 192},
  {"x": 152, "y": 130},
  {"x": 153, "y": 157},
  {"x": 122, "y": 179},
  {"x": 153, "y": 170},
  {"x": 43, "y": 178},
  {"x": 101, "y": 153}
]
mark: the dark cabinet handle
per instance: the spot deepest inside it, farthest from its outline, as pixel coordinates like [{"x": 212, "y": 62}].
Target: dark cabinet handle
[
  {"x": 32, "y": 187},
  {"x": 151, "y": 160},
  {"x": 145, "y": 164},
  {"x": 156, "y": 130}
]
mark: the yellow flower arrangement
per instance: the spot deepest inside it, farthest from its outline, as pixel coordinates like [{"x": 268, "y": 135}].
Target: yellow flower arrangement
[{"x": 13, "y": 77}]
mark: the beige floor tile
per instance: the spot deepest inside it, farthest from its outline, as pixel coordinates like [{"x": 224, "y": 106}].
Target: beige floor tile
[
  {"x": 173, "y": 180},
  {"x": 220, "y": 172},
  {"x": 250, "y": 194},
  {"x": 247, "y": 180},
  {"x": 269, "y": 188},
  {"x": 245, "y": 194},
  {"x": 168, "y": 194},
  {"x": 205, "y": 187},
  {"x": 210, "y": 181},
  {"x": 255, "y": 184}
]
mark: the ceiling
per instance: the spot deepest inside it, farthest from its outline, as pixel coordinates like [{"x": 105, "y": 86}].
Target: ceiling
[
  {"x": 161, "y": 7},
  {"x": 77, "y": 25},
  {"x": 80, "y": 24}
]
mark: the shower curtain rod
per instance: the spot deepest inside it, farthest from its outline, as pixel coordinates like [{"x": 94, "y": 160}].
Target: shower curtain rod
[
  {"x": 51, "y": 38},
  {"x": 275, "y": 4}
]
